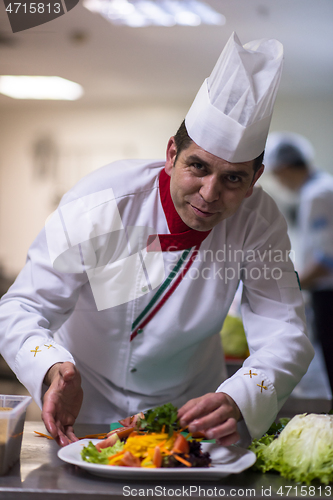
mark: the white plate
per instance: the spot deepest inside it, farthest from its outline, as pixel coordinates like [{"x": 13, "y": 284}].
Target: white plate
[{"x": 225, "y": 461}]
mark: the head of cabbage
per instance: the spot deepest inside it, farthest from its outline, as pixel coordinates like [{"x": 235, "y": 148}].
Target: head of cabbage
[
  {"x": 303, "y": 451},
  {"x": 233, "y": 338}
]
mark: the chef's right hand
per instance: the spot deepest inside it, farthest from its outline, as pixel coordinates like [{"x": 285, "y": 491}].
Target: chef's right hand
[{"x": 62, "y": 401}]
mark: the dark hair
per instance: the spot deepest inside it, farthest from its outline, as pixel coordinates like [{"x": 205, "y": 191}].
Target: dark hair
[
  {"x": 291, "y": 156},
  {"x": 183, "y": 141},
  {"x": 257, "y": 162}
]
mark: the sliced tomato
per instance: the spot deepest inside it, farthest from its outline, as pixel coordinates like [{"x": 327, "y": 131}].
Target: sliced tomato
[
  {"x": 130, "y": 460},
  {"x": 132, "y": 421},
  {"x": 109, "y": 441},
  {"x": 126, "y": 422},
  {"x": 124, "y": 432},
  {"x": 181, "y": 445}
]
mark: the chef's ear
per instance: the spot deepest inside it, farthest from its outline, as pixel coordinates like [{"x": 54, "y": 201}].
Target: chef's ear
[
  {"x": 171, "y": 154},
  {"x": 254, "y": 180}
]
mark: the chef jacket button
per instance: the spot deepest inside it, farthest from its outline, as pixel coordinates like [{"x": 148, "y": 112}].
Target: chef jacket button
[
  {"x": 144, "y": 289},
  {"x": 140, "y": 330},
  {"x": 133, "y": 370}
]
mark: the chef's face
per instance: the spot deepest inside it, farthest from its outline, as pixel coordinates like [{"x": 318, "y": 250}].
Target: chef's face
[{"x": 206, "y": 189}]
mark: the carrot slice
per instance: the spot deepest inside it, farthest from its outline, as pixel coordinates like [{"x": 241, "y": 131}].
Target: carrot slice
[
  {"x": 94, "y": 436},
  {"x": 88, "y": 436},
  {"x": 112, "y": 460},
  {"x": 43, "y": 435},
  {"x": 116, "y": 454},
  {"x": 183, "y": 461},
  {"x": 167, "y": 452},
  {"x": 157, "y": 460}
]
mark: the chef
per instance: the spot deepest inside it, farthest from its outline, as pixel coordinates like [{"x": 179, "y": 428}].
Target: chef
[
  {"x": 125, "y": 291},
  {"x": 290, "y": 157}
]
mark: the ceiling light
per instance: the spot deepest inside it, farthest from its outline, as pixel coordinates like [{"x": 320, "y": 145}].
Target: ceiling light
[
  {"x": 140, "y": 13},
  {"x": 40, "y": 87}
]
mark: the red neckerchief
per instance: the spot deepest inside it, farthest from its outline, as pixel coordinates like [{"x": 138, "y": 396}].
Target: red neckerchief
[{"x": 182, "y": 236}]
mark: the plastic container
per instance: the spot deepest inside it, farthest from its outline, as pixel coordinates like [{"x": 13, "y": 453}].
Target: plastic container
[{"x": 12, "y": 417}]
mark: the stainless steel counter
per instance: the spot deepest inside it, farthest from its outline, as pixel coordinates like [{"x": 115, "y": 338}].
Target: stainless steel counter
[{"x": 40, "y": 474}]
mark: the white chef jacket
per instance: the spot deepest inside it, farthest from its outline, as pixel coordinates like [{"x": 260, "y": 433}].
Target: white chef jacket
[
  {"x": 62, "y": 307},
  {"x": 315, "y": 222}
]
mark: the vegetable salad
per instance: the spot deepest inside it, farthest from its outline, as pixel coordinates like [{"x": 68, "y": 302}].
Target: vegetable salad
[{"x": 148, "y": 440}]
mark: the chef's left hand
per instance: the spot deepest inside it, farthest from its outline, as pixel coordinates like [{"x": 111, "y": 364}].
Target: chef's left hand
[
  {"x": 62, "y": 401},
  {"x": 215, "y": 415}
]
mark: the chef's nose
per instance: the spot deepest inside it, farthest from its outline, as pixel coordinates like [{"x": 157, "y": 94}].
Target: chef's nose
[{"x": 210, "y": 189}]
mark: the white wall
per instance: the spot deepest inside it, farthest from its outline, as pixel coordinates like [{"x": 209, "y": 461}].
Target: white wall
[
  {"x": 85, "y": 139},
  {"x": 312, "y": 118}
]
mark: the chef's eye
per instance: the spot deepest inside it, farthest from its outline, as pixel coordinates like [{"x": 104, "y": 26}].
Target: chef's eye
[
  {"x": 233, "y": 178},
  {"x": 198, "y": 166}
]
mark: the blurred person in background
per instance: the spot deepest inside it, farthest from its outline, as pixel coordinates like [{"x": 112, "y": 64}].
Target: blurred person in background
[{"x": 289, "y": 157}]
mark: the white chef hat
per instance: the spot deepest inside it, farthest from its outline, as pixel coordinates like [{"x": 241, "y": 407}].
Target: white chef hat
[
  {"x": 231, "y": 114},
  {"x": 287, "y": 148}
]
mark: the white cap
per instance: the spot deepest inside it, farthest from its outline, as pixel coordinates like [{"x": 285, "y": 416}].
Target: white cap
[
  {"x": 232, "y": 111},
  {"x": 287, "y": 148}
]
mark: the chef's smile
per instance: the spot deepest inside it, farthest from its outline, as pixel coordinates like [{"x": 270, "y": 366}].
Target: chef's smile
[
  {"x": 201, "y": 213},
  {"x": 206, "y": 189}
]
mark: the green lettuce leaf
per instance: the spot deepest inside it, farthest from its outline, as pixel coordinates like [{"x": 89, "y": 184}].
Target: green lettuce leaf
[
  {"x": 90, "y": 453},
  {"x": 161, "y": 417},
  {"x": 303, "y": 451}
]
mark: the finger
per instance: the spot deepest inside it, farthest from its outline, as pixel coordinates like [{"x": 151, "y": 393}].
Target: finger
[
  {"x": 186, "y": 407},
  {"x": 222, "y": 430},
  {"x": 54, "y": 429},
  {"x": 62, "y": 439},
  {"x": 213, "y": 419},
  {"x": 195, "y": 409},
  {"x": 67, "y": 371},
  {"x": 203, "y": 406},
  {"x": 50, "y": 424},
  {"x": 70, "y": 434},
  {"x": 229, "y": 440},
  {"x": 48, "y": 417}
]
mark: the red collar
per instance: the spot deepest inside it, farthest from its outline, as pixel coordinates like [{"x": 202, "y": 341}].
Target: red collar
[{"x": 182, "y": 236}]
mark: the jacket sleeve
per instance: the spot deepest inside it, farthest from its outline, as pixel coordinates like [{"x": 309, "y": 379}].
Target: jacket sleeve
[
  {"x": 35, "y": 306},
  {"x": 274, "y": 322},
  {"x": 78, "y": 237}
]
